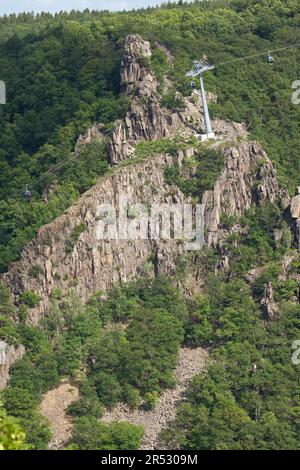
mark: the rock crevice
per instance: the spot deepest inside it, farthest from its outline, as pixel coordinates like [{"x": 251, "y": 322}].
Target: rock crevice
[{"x": 93, "y": 264}]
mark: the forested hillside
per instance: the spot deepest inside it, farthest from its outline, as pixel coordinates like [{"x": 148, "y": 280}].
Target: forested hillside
[{"x": 62, "y": 75}]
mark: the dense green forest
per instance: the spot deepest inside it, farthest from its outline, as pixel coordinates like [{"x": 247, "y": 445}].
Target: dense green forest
[
  {"x": 124, "y": 348},
  {"x": 130, "y": 365},
  {"x": 62, "y": 74}
]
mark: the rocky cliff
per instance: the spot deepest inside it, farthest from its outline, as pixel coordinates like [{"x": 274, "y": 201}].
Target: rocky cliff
[
  {"x": 146, "y": 119},
  {"x": 9, "y": 354},
  {"x": 88, "y": 265},
  {"x": 295, "y": 214},
  {"x": 68, "y": 255}
]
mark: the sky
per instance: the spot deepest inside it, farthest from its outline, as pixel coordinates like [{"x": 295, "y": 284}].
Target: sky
[{"x": 52, "y": 6}]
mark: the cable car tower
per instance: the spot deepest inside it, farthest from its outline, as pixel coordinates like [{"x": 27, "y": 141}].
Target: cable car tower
[{"x": 201, "y": 66}]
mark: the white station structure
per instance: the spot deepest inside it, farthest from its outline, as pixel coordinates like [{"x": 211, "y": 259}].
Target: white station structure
[{"x": 199, "y": 67}]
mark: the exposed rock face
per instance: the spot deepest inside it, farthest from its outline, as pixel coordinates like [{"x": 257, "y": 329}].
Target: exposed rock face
[
  {"x": 97, "y": 265},
  {"x": 248, "y": 177},
  {"x": 83, "y": 264},
  {"x": 269, "y": 307},
  {"x": 133, "y": 68},
  {"x": 9, "y": 354},
  {"x": 93, "y": 133},
  {"x": 297, "y": 231},
  {"x": 94, "y": 265},
  {"x": 295, "y": 206},
  {"x": 295, "y": 214},
  {"x": 146, "y": 119}
]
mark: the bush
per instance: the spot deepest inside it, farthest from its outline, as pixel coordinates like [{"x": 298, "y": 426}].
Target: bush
[
  {"x": 285, "y": 290},
  {"x": 88, "y": 404},
  {"x": 6, "y": 307},
  {"x": 34, "y": 271},
  {"x": 150, "y": 400},
  {"x": 199, "y": 328},
  {"x": 269, "y": 274},
  {"x": 12, "y": 435},
  {"x": 90, "y": 434},
  {"x": 131, "y": 396},
  {"x": 108, "y": 389},
  {"x": 30, "y": 298},
  {"x": 56, "y": 293},
  {"x": 73, "y": 239},
  {"x": 173, "y": 100},
  {"x": 9, "y": 331}
]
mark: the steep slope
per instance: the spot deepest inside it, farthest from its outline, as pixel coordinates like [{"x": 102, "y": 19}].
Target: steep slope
[
  {"x": 238, "y": 297},
  {"x": 248, "y": 177},
  {"x": 96, "y": 265},
  {"x": 67, "y": 254},
  {"x": 190, "y": 363}
]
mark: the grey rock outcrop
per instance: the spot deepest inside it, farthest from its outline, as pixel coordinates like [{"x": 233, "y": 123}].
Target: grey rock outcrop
[
  {"x": 248, "y": 178},
  {"x": 93, "y": 265},
  {"x": 93, "y": 133},
  {"x": 9, "y": 354},
  {"x": 295, "y": 214},
  {"x": 133, "y": 66},
  {"x": 269, "y": 307},
  {"x": 146, "y": 119},
  {"x": 77, "y": 261},
  {"x": 295, "y": 205}
]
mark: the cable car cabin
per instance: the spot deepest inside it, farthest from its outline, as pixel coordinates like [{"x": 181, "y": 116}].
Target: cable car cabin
[
  {"x": 270, "y": 58},
  {"x": 27, "y": 194},
  {"x": 193, "y": 84}
]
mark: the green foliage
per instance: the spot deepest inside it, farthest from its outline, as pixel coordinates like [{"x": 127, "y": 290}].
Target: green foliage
[
  {"x": 35, "y": 270},
  {"x": 143, "y": 359},
  {"x": 120, "y": 364},
  {"x": 159, "y": 65},
  {"x": 131, "y": 396},
  {"x": 208, "y": 164},
  {"x": 199, "y": 329},
  {"x": 31, "y": 376},
  {"x": 88, "y": 404},
  {"x": 148, "y": 148},
  {"x": 228, "y": 221},
  {"x": 90, "y": 434},
  {"x": 12, "y": 436},
  {"x": 9, "y": 331},
  {"x": 108, "y": 388},
  {"x": 73, "y": 239},
  {"x": 285, "y": 290},
  {"x": 173, "y": 100},
  {"x": 150, "y": 400},
  {"x": 230, "y": 406},
  {"x": 269, "y": 274},
  {"x": 257, "y": 246},
  {"x": 6, "y": 307},
  {"x": 69, "y": 69},
  {"x": 30, "y": 298},
  {"x": 295, "y": 265},
  {"x": 22, "y": 313},
  {"x": 56, "y": 293}
]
